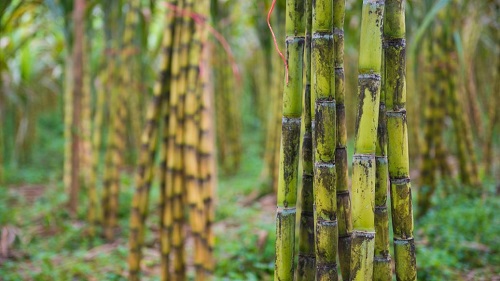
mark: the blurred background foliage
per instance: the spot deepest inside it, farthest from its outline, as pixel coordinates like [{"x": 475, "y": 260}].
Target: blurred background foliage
[{"x": 453, "y": 101}]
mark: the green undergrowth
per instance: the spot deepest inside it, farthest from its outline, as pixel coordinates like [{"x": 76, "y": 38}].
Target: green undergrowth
[{"x": 458, "y": 237}]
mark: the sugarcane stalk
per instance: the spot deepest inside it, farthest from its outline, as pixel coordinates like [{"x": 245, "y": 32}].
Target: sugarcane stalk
[
  {"x": 130, "y": 71},
  {"x": 364, "y": 165},
  {"x": 273, "y": 125},
  {"x": 88, "y": 151},
  {"x": 191, "y": 160},
  {"x": 108, "y": 162},
  {"x": 175, "y": 163},
  {"x": 117, "y": 129},
  {"x": 166, "y": 188},
  {"x": 206, "y": 147},
  {"x": 494, "y": 118},
  {"x": 146, "y": 158},
  {"x": 428, "y": 166},
  {"x": 96, "y": 215},
  {"x": 166, "y": 217},
  {"x": 397, "y": 132},
  {"x": 343, "y": 194},
  {"x": 290, "y": 141},
  {"x": 323, "y": 88},
  {"x": 382, "y": 270},
  {"x": 306, "y": 267}
]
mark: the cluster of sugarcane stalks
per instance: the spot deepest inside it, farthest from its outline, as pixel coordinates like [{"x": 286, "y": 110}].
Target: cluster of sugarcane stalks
[
  {"x": 179, "y": 133},
  {"x": 444, "y": 100},
  {"x": 85, "y": 128},
  {"x": 228, "y": 99},
  {"x": 335, "y": 221},
  {"x": 117, "y": 79}
]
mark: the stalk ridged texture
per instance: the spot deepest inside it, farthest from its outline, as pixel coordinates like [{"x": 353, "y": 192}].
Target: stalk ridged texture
[
  {"x": 206, "y": 167},
  {"x": 175, "y": 161},
  {"x": 434, "y": 151},
  {"x": 166, "y": 188},
  {"x": 364, "y": 166},
  {"x": 343, "y": 194},
  {"x": 174, "y": 175},
  {"x": 95, "y": 215},
  {"x": 382, "y": 260},
  {"x": 290, "y": 141},
  {"x": 180, "y": 109},
  {"x": 306, "y": 267},
  {"x": 457, "y": 108},
  {"x": 195, "y": 196},
  {"x": 149, "y": 144},
  {"x": 323, "y": 88},
  {"x": 395, "y": 91}
]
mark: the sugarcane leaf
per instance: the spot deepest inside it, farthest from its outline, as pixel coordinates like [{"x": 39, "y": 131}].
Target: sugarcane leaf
[
  {"x": 15, "y": 15},
  {"x": 3, "y": 7}
]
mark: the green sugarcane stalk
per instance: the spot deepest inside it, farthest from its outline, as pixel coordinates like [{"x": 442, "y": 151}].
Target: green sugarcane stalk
[
  {"x": 343, "y": 194},
  {"x": 434, "y": 151},
  {"x": 438, "y": 102},
  {"x": 119, "y": 118},
  {"x": 290, "y": 141},
  {"x": 363, "y": 180},
  {"x": 98, "y": 120},
  {"x": 306, "y": 267},
  {"x": 397, "y": 132},
  {"x": 382, "y": 260},
  {"x": 113, "y": 145},
  {"x": 323, "y": 89},
  {"x": 428, "y": 166}
]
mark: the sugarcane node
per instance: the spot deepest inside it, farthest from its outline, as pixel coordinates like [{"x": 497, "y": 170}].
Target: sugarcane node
[
  {"x": 307, "y": 215},
  {"x": 365, "y": 235},
  {"x": 382, "y": 258},
  {"x": 326, "y": 267},
  {"x": 308, "y": 178},
  {"x": 326, "y": 273},
  {"x": 400, "y": 182}
]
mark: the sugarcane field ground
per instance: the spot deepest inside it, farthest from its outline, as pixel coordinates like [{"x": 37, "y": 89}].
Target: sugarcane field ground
[{"x": 91, "y": 88}]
